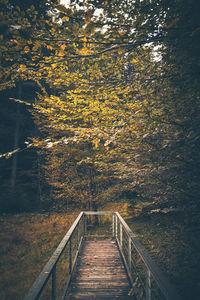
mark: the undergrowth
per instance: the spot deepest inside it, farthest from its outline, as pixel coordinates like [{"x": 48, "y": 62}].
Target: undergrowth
[{"x": 27, "y": 241}]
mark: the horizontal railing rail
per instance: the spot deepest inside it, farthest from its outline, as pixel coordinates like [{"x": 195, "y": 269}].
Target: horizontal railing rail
[{"x": 141, "y": 272}]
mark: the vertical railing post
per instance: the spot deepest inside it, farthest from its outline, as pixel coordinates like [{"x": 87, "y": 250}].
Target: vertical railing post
[
  {"x": 85, "y": 225},
  {"x": 70, "y": 256},
  {"x": 116, "y": 227},
  {"x": 121, "y": 235},
  {"x": 113, "y": 226},
  {"x": 78, "y": 237},
  {"x": 53, "y": 288},
  {"x": 129, "y": 253},
  {"x": 148, "y": 284}
]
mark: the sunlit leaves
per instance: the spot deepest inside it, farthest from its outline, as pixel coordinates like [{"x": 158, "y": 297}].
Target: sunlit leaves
[
  {"x": 26, "y": 49},
  {"x": 117, "y": 104},
  {"x": 85, "y": 51},
  {"x": 14, "y": 41},
  {"x": 49, "y": 47},
  {"x": 62, "y": 47},
  {"x": 23, "y": 68},
  {"x": 53, "y": 66},
  {"x": 65, "y": 19}
]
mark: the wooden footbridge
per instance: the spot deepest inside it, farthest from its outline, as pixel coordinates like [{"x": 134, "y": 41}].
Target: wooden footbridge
[{"x": 101, "y": 258}]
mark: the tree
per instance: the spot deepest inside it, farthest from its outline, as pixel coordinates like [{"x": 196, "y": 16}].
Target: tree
[
  {"x": 89, "y": 110},
  {"x": 106, "y": 89},
  {"x": 19, "y": 182},
  {"x": 161, "y": 124}
]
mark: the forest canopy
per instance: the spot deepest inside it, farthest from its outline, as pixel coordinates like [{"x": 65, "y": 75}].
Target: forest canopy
[{"x": 100, "y": 103}]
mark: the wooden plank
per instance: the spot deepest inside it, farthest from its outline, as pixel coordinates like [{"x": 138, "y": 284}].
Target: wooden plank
[
  {"x": 99, "y": 236},
  {"x": 90, "y": 296},
  {"x": 106, "y": 277},
  {"x": 100, "y": 272},
  {"x": 101, "y": 290}
]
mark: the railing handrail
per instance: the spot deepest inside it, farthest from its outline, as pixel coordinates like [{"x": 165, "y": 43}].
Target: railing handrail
[
  {"x": 166, "y": 288},
  {"x": 99, "y": 213},
  {"x": 42, "y": 279}
]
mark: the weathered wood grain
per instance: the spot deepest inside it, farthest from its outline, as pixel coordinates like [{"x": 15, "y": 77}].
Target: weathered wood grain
[{"x": 100, "y": 273}]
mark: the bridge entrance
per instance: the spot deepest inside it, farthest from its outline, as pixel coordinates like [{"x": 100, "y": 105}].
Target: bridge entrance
[{"x": 101, "y": 258}]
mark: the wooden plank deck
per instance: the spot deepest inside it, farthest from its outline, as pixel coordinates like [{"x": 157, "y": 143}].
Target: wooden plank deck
[{"x": 100, "y": 273}]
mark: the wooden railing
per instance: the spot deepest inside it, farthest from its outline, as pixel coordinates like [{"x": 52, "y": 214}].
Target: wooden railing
[
  {"x": 75, "y": 234},
  {"x": 147, "y": 280}
]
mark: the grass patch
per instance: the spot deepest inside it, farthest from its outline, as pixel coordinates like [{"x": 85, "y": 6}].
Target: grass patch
[
  {"x": 27, "y": 241},
  {"x": 174, "y": 247}
]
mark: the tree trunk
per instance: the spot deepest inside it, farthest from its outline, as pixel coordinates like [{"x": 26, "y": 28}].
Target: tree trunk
[
  {"x": 92, "y": 204},
  {"x": 16, "y": 145}
]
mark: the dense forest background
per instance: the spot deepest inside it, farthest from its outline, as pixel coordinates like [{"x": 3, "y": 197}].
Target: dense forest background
[{"x": 99, "y": 103}]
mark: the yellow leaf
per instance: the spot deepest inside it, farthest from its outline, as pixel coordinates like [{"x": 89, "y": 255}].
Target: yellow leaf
[
  {"x": 47, "y": 59},
  {"x": 26, "y": 49},
  {"x": 121, "y": 32},
  {"x": 14, "y": 41},
  {"x": 135, "y": 60},
  {"x": 96, "y": 142},
  {"x": 63, "y": 47},
  {"x": 65, "y": 19},
  {"x": 49, "y": 23},
  {"x": 85, "y": 51},
  {"x": 61, "y": 53},
  {"x": 22, "y": 68},
  {"x": 36, "y": 46},
  {"x": 49, "y": 47},
  {"x": 54, "y": 66}
]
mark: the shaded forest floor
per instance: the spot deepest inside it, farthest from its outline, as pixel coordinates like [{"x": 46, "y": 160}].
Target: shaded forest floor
[
  {"x": 27, "y": 241},
  {"x": 175, "y": 248}
]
